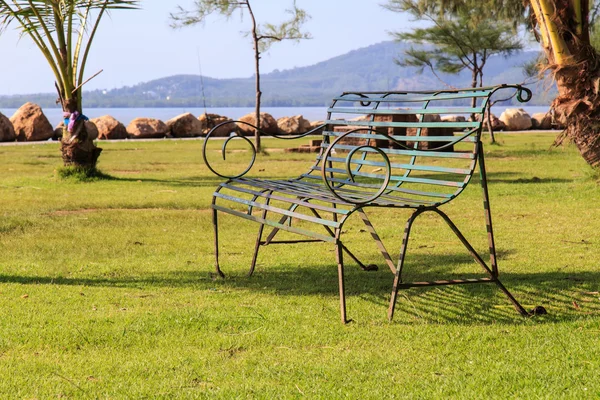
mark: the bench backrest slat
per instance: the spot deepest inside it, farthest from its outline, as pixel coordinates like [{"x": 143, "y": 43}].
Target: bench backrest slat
[{"x": 430, "y": 159}]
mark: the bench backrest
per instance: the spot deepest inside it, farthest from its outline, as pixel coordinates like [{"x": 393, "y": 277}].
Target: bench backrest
[{"x": 415, "y": 146}]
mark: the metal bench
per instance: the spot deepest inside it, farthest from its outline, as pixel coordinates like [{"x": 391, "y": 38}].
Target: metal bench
[{"x": 398, "y": 153}]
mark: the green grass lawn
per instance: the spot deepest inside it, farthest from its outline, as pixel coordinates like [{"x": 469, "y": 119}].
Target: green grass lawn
[{"x": 107, "y": 289}]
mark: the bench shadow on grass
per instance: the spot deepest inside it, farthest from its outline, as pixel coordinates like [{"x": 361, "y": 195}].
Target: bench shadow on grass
[{"x": 566, "y": 295}]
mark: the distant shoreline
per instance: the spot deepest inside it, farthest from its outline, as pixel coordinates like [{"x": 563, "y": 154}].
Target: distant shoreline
[{"x": 127, "y": 114}]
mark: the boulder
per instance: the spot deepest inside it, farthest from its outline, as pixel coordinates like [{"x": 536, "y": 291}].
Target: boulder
[
  {"x": 109, "y": 128},
  {"x": 7, "y": 132},
  {"x": 92, "y": 130},
  {"x": 90, "y": 127},
  {"x": 453, "y": 118},
  {"x": 361, "y": 118},
  {"x": 516, "y": 119},
  {"x": 497, "y": 124},
  {"x": 184, "y": 125},
  {"x": 209, "y": 121},
  {"x": 268, "y": 124},
  {"x": 293, "y": 125},
  {"x": 430, "y": 117},
  {"x": 315, "y": 125},
  {"x": 147, "y": 128},
  {"x": 30, "y": 124},
  {"x": 541, "y": 121}
]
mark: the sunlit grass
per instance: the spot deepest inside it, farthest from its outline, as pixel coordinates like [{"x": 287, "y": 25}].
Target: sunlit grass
[{"x": 107, "y": 289}]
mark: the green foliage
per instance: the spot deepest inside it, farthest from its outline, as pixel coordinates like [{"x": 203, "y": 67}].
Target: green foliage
[
  {"x": 514, "y": 12},
  {"x": 462, "y": 38},
  {"x": 263, "y": 35},
  {"x": 59, "y": 29}
]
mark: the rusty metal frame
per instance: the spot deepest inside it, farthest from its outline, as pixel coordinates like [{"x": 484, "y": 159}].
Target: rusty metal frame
[{"x": 341, "y": 194}]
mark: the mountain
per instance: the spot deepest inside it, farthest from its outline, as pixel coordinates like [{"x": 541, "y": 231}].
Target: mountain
[{"x": 370, "y": 68}]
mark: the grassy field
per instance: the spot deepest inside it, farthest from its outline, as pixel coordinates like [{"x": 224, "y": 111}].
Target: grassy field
[{"x": 106, "y": 287}]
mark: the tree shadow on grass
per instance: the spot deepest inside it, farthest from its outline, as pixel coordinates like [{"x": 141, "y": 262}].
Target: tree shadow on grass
[
  {"x": 567, "y": 296},
  {"x": 515, "y": 178}
]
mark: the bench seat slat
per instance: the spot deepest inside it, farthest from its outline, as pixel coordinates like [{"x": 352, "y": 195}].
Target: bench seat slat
[
  {"x": 290, "y": 200},
  {"x": 397, "y": 189},
  {"x": 294, "y": 188},
  {"x": 278, "y": 210},
  {"x": 394, "y": 200},
  {"x": 390, "y": 188},
  {"x": 395, "y": 178},
  {"x": 318, "y": 191},
  {"x": 274, "y": 224}
]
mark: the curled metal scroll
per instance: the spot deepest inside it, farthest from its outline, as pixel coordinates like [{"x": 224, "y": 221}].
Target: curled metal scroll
[
  {"x": 236, "y": 135},
  {"x": 520, "y": 91},
  {"x": 327, "y": 154}
]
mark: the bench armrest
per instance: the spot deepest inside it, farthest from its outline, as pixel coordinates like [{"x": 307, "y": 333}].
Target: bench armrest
[{"x": 234, "y": 134}]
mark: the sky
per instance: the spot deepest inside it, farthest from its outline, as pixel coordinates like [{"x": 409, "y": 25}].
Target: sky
[{"x": 138, "y": 46}]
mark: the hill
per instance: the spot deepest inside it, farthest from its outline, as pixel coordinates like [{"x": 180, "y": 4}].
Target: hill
[{"x": 369, "y": 68}]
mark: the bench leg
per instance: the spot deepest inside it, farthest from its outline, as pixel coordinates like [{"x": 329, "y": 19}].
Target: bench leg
[
  {"x": 492, "y": 272},
  {"x": 375, "y": 236},
  {"x": 487, "y": 211},
  {"x": 258, "y": 239},
  {"x": 340, "y": 262},
  {"x": 216, "y": 231},
  {"x": 398, "y": 275}
]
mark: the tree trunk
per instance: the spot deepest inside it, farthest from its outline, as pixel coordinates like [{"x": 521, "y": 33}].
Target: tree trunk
[
  {"x": 257, "y": 106},
  {"x": 576, "y": 67},
  {"x": 77, "y": 148},
  {"x": 488, "y": 115},
  {"x": 257, "y": 75}
]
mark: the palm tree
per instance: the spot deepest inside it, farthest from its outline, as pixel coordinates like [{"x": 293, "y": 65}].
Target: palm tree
[{"x": 63, "y": 30}]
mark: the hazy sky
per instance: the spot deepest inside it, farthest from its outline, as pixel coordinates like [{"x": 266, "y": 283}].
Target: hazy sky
[{"x": 137, "y": 46}]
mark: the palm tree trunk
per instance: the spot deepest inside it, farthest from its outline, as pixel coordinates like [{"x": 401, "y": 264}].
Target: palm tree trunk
[
  {"x": 77, "y": 148},
  {"x": 576, "y": 68}
]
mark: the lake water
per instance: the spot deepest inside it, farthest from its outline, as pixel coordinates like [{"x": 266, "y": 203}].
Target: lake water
[{"x": 126, "y": 115}]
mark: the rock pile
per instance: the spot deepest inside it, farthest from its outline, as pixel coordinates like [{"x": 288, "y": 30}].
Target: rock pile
[{"x": 29, "y": 123}]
